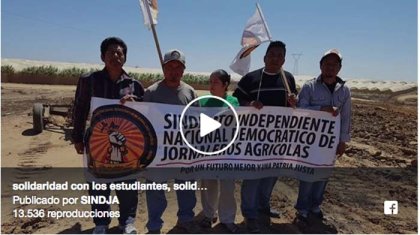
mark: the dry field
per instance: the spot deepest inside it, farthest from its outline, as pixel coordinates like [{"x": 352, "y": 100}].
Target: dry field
[{"x": 377, "y": 166}]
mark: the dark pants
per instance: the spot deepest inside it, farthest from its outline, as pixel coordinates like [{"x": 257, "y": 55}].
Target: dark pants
[
  {"x": 255, "y": 195},
  {"x": 128, "y": 200},
  {"x": 311, "y": 195},
  {"x": 156, "y": 205}
]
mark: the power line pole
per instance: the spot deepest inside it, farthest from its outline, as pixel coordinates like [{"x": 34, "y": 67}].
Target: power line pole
[{"x": 296, "y": 57}]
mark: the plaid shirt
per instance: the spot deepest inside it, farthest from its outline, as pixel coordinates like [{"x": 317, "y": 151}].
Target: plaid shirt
[{"x": 98, "y": 84}]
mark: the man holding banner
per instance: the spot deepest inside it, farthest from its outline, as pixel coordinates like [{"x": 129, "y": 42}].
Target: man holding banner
[
  {"x": 112, "y": 83},
  {"x": 171, "y": 90},
  {"x": 327, "y": 93},
  {"x": 265, "y": 86}
]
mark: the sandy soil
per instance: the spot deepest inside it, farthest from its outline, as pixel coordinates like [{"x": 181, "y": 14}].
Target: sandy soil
[{"x": 377, "y": 166}]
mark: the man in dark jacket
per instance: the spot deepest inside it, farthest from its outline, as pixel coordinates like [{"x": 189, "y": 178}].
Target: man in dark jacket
[{"x": 113, "y": 83}]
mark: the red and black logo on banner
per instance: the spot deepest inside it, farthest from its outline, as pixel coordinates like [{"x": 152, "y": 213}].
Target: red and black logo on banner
[{"x": 120, "y": 141}]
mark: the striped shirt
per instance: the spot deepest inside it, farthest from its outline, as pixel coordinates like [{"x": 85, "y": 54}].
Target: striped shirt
[{"x": 270, "y": 87}]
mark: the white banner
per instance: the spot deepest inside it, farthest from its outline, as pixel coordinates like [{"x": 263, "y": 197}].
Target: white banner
[{"x": 145, "y": 137}]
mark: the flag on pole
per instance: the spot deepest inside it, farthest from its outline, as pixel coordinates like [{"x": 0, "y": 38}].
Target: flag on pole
[
  {"x": 150, "y": 13},
  {"x": 255, "y": 33}
]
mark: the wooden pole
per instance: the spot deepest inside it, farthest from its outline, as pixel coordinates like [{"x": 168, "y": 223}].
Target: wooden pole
[
  {"x": 146, "y": 4},
  {"x": 286, "y": 83},
  {"x": 263, "y": 20},
  {"x": 157, "y": 45}
]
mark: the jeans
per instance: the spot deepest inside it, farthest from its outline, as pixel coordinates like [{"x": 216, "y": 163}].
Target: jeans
[
  {"x": 219, "y": 198},
  {"x": 156, "y": 205},
  {"x": 128, "y": 200},
  {"x": 311, "y": 195},
  {"x": 255, "y": 195}
]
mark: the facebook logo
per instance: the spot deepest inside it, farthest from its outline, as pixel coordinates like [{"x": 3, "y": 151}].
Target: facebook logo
[{"x": 390, "y": 207}]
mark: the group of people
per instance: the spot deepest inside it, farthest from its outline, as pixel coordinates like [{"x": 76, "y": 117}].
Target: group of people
[{"x": 262, "y": 87}]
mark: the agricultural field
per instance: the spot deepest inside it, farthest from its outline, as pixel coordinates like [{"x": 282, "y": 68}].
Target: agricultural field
[
  {"x": 379, "y": 163},
  {"x": 69, "y": 76}
]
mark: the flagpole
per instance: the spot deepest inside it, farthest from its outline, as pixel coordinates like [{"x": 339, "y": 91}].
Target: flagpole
[
  {"x": 263, "y": 20},
  {"x": 283, "y": 75},
  {"x": 269, "y": 37},
  {"x": 157, "y": 45},
  {"x": 149, "y": 14},
  {"x": 286, "y": 84}
]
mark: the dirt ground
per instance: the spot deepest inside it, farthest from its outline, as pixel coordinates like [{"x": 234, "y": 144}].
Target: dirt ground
[{"x": 378, "y": 165}]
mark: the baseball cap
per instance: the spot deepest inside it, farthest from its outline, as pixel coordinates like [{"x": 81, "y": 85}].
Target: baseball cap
[
  {"x": 332, "y": 52},
  {"x": 174, "y": 54}
]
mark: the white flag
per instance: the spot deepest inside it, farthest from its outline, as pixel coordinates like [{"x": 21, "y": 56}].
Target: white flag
[
  {"x": 241, "y": 64},
  {"x": 150, "y": 13},
  {"x": 255, "y": 33}
]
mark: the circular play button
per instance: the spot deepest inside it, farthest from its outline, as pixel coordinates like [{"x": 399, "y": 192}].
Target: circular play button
[{"x": 209, "y": 130}]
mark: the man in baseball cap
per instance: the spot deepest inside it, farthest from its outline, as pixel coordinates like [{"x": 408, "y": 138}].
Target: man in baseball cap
[
  {"x": 328, "y": 93},
  {"x": 174, "y": 55},
  {"x": 333, "y": 52},
  {"x": 171, "y": 90}
]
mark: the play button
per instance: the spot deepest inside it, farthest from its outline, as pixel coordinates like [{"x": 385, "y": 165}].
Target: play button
[
  {"x": 217, "y": 129},
  {"x": 208, "y": 124}
]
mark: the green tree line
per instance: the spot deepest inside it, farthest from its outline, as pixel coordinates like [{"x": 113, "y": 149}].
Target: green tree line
[{"x": 74, "y": 73}]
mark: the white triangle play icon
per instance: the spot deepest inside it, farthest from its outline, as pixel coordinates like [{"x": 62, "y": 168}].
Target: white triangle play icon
[{"x": 207, "y": 124}]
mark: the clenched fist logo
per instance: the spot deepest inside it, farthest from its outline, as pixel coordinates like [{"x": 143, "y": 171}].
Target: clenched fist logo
[
  {"x": 120, "y": 141},
  {"x": 117, "y": 151}
]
